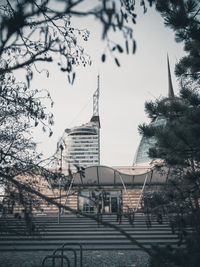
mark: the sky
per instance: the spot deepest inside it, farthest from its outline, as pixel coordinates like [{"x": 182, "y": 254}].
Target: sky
[{"x": 123, "y": 90}]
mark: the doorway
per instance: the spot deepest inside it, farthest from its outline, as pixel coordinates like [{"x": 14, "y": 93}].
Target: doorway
[{"x": 102, "y": 201}]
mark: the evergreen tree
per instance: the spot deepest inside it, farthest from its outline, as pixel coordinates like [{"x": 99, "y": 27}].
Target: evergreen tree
[
  {"x": 183, "y": 17},
  {"x": 177, "y": 141},
  {"x": 177, "y": 146}
]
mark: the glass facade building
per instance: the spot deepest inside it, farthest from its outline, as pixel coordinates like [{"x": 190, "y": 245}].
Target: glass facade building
[
  {"x": 142, "y": 155},
  {"x": 80, "y": 145}
]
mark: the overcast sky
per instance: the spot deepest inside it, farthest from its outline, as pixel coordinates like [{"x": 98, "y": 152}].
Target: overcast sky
[{"x": 123, "y": 91}]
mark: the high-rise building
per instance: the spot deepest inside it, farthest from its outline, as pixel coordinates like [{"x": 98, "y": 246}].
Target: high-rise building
[{"x": 80, "y": 145}]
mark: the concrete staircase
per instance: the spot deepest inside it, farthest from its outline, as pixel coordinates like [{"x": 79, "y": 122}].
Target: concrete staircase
[{"x": 86, "y": 231}]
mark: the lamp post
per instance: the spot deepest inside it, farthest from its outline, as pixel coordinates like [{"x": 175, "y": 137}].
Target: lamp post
[{"x": 60, "y": 181}]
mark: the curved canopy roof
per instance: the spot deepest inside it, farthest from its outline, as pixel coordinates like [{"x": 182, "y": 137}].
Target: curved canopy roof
[{"x": 103, "y": 175}]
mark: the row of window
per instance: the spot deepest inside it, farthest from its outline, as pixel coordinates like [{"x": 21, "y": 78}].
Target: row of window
[
  {"x": 82, "y": 146},
  {"x": 82, "y": 142},
  {"x": 82, "y": 153},
  {"x": 83, "y": 137},
  {"x": 82, "y": 149},
  {"x": 84, "y": 161},
  {"x": 82, "y": 157}
]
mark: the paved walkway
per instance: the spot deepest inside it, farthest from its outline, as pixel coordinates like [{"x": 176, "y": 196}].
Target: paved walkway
[{"x": 90, "y": 258}]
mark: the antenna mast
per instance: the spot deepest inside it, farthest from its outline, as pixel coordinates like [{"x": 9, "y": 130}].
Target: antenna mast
[{"x": 96, "y": 99}]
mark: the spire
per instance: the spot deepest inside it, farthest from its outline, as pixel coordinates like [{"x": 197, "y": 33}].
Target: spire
[{"x": 170, "y": 88}]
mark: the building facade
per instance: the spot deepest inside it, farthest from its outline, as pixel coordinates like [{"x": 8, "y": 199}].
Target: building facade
[
  {"x": 80, "y": 145},
  {"x": 104, "y": 189},
  {"x": 96, "y": 188}
]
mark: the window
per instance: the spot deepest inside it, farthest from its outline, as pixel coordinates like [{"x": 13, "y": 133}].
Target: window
[{"x": 93, "y": 201}]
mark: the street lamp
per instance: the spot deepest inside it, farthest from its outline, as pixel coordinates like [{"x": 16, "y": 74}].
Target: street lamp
[{"x": 60, "y": 182}]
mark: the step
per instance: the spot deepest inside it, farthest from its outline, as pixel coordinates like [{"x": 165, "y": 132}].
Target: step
[
  {"x": 98, "y": 231},
  {"x": 95, "y": 236},
  {"x": 57, "y": 243},
  {"x": 52, "y": 247},
  {"x": 86, "y": 231}
]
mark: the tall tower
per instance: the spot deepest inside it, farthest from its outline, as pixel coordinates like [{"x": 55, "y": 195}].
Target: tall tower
[
  {"x": 95, "y": 117},
  {"x": 81, "y": 144},
  {"x": 142, "y": 157}
]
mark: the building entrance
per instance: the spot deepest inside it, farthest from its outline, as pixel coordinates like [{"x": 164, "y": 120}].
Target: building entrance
[{"x": 102, "y": 201}]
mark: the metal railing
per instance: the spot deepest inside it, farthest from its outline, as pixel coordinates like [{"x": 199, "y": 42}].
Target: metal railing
[{"x": 62, "y": 257}]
